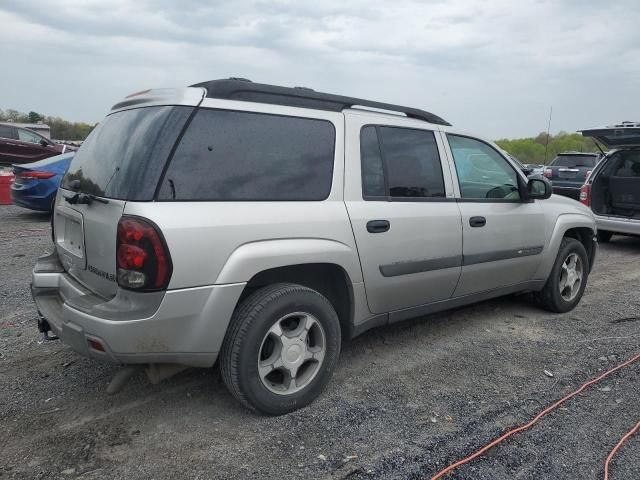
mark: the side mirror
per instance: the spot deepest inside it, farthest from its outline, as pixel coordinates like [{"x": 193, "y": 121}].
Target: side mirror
[
  {"x": 539, "y": 188},
  {"x": 43, "y": 142}
]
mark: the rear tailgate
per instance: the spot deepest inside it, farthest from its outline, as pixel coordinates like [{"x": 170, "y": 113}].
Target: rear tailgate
[
  {"x": 85, "y": 240},
  {"x": 120, "y": 161},
  {"x": 571, "y": 170},
  {"x": 625, "y": 134}
]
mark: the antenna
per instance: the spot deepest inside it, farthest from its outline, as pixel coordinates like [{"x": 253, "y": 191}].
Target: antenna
[{"x": 548, "y": 130}]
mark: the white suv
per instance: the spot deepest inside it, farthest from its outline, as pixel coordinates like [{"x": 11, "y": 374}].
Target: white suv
[{"x": 262, "y": 225}]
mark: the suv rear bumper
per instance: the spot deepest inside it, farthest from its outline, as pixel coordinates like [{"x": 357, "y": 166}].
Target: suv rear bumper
[
  {"x": 629, "y": 226},
  {"x": 184, "y": 326}
]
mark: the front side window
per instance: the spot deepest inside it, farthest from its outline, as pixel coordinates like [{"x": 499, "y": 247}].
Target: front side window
[
  {"x": 230, "y": 155},
  {"x": 482, "y": 172},
  {"x": 26, "y": 136},
  {"x": 406, "y": 158}
]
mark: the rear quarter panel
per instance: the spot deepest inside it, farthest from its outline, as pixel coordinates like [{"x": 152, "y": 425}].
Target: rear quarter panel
[{"x": 228, "y": 242}]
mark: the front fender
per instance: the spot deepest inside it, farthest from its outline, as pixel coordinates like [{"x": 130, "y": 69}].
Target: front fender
[
  {"x": 252, "y": 258},
  {"x": 564, "y": 222}
]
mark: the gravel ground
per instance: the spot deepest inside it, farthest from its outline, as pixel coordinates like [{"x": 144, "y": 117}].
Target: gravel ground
[{"x": 405, "y": 401}]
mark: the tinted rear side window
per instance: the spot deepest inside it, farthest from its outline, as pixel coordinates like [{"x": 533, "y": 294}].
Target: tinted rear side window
[
  {"x": 123, "y": 157},
  {"x": 574, "y": 161},
  {"x": 372, "y": 169},
  {"x": 230, "y": 155},
  {"x": 7, "y": 132},
  {"x": 411, "y": 163}
]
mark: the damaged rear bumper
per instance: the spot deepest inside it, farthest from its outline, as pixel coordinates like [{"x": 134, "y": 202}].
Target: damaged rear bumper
[{"x": 184, "y": 326}]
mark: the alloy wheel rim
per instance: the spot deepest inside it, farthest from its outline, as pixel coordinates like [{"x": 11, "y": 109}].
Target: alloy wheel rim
[
  {"x": 571, "y": 275},
  {"x": 291, "y": 353}
]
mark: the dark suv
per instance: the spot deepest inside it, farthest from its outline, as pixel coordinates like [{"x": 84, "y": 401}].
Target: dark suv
[
  {"x": 569, "y": 171},
  {"x": 21, "y": 145}
]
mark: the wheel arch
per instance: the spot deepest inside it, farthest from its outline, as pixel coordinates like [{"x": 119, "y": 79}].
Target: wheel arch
[
  {"x": 329, "y": 279},
  {"x": 573, "y": 225}
]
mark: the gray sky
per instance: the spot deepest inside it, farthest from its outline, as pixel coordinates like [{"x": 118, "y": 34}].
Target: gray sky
[{"x": 490, "y": 67}]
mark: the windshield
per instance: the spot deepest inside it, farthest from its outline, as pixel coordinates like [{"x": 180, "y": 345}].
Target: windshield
[
  {"x": 574, "y": 161},
  {"x": 123, "y": 157}
]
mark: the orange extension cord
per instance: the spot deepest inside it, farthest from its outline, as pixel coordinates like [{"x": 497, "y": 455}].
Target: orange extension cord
[
  {"x": 542, "y": 414},
  {"x": 627, "y": 435}
]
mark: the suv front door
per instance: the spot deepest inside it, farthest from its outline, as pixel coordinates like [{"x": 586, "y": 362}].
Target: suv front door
[
  {"x": 403, "y": 212},
  {"x": 503, "y": 236}
]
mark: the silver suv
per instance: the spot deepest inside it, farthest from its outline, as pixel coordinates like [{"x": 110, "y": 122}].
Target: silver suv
[{"x": 261, "y": 226}]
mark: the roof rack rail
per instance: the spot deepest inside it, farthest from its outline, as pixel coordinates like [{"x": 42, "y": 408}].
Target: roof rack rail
[{"x": 246, "y": 90}]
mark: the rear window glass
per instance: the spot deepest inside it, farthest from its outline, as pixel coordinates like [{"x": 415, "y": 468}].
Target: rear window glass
[
  {"x": 123, "y": 157},
  {"x": 574, "y": 161},
  {"x": 230, "y": 155}
]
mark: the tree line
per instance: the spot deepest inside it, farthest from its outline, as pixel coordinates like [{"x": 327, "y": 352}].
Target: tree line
[
  {"x": 61, "y": 129},
  {"x": 532, "y": 150}
]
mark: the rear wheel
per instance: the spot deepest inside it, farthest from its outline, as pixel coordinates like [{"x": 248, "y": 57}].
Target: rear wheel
[
  {"x": 604, "y": 236},
  {"x": 568, "y": 279},
  {"x": 281, "y": 348}
]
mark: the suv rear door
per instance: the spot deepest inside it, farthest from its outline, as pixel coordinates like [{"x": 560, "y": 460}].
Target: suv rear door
[
  {"x": 121, "y": 160},
  {"x": 503, "y": 236},
  {"x": 400, "y": 202}
]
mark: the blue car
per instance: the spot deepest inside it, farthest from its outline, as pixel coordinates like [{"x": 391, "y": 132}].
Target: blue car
[{"x": 36, "y": 183}]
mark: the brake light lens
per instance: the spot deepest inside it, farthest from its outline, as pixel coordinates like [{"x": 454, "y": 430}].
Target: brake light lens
[
  {"x": 585, "y": 194},
  {"x": 142, "y": 256},
  {"x": 548, "y": 172},
  {"x": 36, "y": 175}
]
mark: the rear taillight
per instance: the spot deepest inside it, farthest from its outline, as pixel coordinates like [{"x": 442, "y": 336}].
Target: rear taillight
[
  {"x": 33, "y": 174},
  {"x": 548, "y": 172},
  {"x": 585, "y": 194},
  {"x": 588, "y": 174},
  {"x": 143, "y": 260}
]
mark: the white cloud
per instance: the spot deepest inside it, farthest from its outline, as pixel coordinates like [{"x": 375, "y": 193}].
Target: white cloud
[{"x": 489, "y": 67}]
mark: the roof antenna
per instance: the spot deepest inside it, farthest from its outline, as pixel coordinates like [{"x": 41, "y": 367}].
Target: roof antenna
[{"x": 548, "y": 130}]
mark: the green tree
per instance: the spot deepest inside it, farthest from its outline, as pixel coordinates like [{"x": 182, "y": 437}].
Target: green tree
[{"x": 34, "y": 117}]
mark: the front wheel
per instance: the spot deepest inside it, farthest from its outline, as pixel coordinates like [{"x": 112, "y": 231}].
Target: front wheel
[
  {"x": 281, "y": 348},
  {"x": 568, "y": 279}
]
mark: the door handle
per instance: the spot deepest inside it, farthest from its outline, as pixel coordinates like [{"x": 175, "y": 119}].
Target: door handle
[
  {"x": 378, "y": 226},
  {"x": 477, "y": 221}
]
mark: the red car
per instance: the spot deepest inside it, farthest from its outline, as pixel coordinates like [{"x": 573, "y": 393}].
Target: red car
[{"x": 21, "y": 145}]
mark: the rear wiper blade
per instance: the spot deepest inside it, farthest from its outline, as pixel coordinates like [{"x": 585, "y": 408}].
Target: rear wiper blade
[{"x": 80, "y": 198}]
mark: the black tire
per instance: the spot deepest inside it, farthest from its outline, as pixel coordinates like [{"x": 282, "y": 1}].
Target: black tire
[
  {"x": 249, "y": 324},
  {"x": 550, "y": 297},
  {"x": 604, "y": 236}
]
